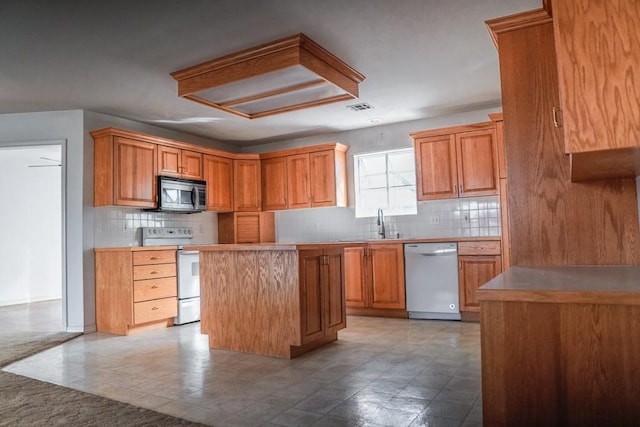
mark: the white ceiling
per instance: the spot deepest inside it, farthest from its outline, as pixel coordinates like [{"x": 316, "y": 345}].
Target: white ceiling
[{"x": 421, "y": 58}]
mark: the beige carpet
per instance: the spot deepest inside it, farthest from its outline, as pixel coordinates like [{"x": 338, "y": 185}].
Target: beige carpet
[{"x": 28, "y": 402}]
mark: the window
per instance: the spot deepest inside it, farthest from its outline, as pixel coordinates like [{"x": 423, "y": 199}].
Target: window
[{"x": 386, "y": 180}]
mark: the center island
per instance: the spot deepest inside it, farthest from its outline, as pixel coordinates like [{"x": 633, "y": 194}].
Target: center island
[{"x": 272, "y": 299}]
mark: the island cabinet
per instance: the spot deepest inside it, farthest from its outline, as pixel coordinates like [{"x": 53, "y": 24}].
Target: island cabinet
[
  {"x": 272, "y": 299},
  {"x": 218, "y": 173},
  {"x": 322, "y": 301},
  {"x": 136, "y": 289},
  {"x": 124, "y": 170},
  {"x": 247, "y": 195},
  {"x": 597, "y": 44},
  {"x": 374, "y": 279},
  {"x": 456, "y": 162},
  {"x": 180, "y": 163},
  {"x": 478, "y": 262},
  {"x": 246, "y": 227},
  {"x": 560, "y": 346},
  {"x": 305, "y": 177}
]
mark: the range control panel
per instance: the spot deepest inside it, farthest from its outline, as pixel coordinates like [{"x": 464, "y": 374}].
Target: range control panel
[{"x": 159, "y": 236}]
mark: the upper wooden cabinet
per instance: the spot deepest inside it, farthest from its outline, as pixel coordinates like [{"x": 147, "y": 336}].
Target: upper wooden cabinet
[
  {"x": 180, "y": 163},
  {"x": 305, "y": 177},
  {"x": 274, "y": 183},
  {"x": 246, "y": 185},
  {"x": 456, "y": 162},
  {"x": 124, "y": 171},
  {"x": 597, "y": 45},
  {"x": 218, "y": 173}
]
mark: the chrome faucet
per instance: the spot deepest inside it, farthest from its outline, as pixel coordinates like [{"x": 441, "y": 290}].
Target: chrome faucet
[{"x": 381, "y": 232}]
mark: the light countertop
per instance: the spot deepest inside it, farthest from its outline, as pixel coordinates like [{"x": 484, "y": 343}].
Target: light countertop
[{"x": 566, "y": 284}]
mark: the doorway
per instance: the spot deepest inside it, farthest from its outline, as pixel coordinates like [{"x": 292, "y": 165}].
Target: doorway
[{"x": 32, "y": 250}]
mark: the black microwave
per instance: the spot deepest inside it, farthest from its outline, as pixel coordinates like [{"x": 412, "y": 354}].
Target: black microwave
[{"x": 181, "y": 195}]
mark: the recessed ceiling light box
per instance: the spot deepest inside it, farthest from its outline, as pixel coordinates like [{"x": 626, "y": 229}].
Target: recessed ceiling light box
[{"x": 285, "y": 75}]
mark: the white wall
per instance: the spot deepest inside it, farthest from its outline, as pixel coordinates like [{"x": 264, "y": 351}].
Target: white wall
[{"x": 31, "y": 250}]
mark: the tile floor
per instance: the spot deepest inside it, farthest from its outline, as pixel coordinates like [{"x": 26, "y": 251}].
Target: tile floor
[{"x": 389, "y": 372}]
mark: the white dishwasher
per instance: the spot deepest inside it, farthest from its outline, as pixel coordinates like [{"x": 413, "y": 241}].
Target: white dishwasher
[{"x": 431, "y": 277}]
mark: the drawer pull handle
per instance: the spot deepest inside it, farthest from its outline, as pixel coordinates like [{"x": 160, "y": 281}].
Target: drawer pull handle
[
  {"x": 154, "y": 308},
  {"x": 153, "y": 258},
  {"x": 153, "y": 272},
  {"x": 154, "y": 287}
]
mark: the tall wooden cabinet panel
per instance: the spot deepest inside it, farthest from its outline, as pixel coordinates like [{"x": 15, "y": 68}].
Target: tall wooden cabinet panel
[
  {"x": 298, "y": 181},
  {"x": 436, "y": 163},
  {"x": 246, "y": 182},
  {"x": 551, "y": 220},
  {"x": 180, "y": 163},
  {"x": 134, "y": 172},
  {"x": 322, "y": 306},
  {"x": 218, "y": 173},
  {"x": 374, "y": 279},
  {"x": 274, "y": 183},
  {"x": 322, "y": 172}
]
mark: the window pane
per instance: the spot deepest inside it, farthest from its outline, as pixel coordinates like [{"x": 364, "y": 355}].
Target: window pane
[
  {"x": 402, "y": 179},
  {"x": 401, "y": 161},
  {"x": 374, "y": 198},
  {"x": 373, "y": 181}
]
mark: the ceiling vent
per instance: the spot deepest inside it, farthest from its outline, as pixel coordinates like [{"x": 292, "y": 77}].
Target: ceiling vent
[
  {"x": 285, "y": 75},
  {"x": 360, "y": 107}
]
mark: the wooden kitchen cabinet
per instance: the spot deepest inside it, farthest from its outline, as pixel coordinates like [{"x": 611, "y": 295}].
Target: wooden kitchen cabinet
[
  {"x": 135, "y": 290},
  {"x": 552, "y": 221},
  {"x": 180, "y": 163},
  {"x": 478, "y": 262},
  {"x": 456, "y": 162},
  {"x": 305, "y": 177},
  {"x": 124, "y": 171},
  {"x": 246, "y": 185},
  {"x": 322, "y": 300},
  {"x": 246, "y": 227},
  {"x": 374, "y": 279},
  {"x": 597, "y": 44},
  {"x": 274, "y": 183},
  {"x": 218, "y": 173}
]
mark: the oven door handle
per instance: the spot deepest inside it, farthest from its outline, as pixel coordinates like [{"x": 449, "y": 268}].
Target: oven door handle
[{"x": 182, "y": 253}]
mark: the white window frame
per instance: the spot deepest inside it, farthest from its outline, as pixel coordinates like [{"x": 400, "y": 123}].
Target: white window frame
[{"x": 361, "y": 210}]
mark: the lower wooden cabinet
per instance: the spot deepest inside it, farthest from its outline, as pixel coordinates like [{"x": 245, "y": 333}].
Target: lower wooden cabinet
[
  {"x": 374, "y": 279},
  {"x": 246, "y": 227},
  {"x": 322, "y": 300},
  {"x": 135, "y": 289},
  {"x": 478, "y": 262}
]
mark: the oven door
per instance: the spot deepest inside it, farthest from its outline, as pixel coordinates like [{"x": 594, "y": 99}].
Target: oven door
[{"x": 188, "y": 274}]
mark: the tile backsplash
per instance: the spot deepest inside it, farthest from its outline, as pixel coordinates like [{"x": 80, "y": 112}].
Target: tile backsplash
[
  {"x": 465, "y": 217},
  {"x": 118, "y": 226}
]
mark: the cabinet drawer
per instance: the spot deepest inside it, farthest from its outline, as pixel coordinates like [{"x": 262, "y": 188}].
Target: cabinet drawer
[
  {"x": 154, "y": 257},
  {"x": 149, "y": 311},
  {"x": 144, "y": 290},
  {"x": 488, "y": 247},
  {"x": 142, "y": 272}
]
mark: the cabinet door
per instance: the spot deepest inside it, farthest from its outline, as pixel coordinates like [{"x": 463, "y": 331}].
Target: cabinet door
[
  {"x": 134, "y": 173},
  {"x": 322, "y": 173},
  {"x": 191, "y": 165},
  {"x": 436, "y": 167},
  {"x": 246, "y": 185},
  {"x": 597, "y": 43},
  {"x": 218, "y": 173},
  {"x": 354, "y": 276},
  {"x": 475, "y": 271},
  {"x": 387, "y": 276},
  {"x": 333, "y": 275},
  {"x": 168, "y": 161},
  {"x": 247, "y": 227},
  {"x": 311, "y": 295},
  {"x": 298, "y": 181},
  {"x": 477, "y": 163},
  {"x": 274, "y": 183}
]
